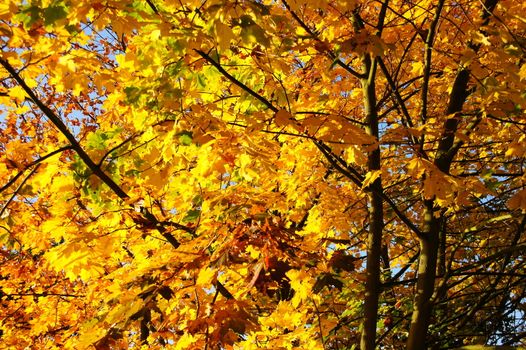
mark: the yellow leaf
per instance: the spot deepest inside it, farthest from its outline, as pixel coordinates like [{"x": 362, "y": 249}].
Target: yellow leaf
[
  {"x": 440, "y": 185},
  {"x": 7, "y": 9},
  {"x": 522, "y": 72},
  {"x": 245, "y": 170},
  {"x": 206, "y": 277},
  {"x": 284, "y": 316},
  {"x": 254, "y": 254},
  {"x": 17, "y": 93},
  {"x": 67, "y": 63},
  {"x": 185, "y": 341},
  {"x": 224, "y": 35},
  {"x": 416, "y": 167},
  {"x": 301, "y": 282},
  {"x": 418, "y": 68},
  {"x": 517, "y": 148},
  {"x": 371, "y": 177},
  {"x": 63, "y": 184}
]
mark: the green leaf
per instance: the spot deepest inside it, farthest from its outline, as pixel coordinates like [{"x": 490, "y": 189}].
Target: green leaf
[
  {"x": 192, "y": 215},
  {"x": 175, "y": 68},
  {"x": 29, "y": 16},
  {"x": 245, "y": 21},
  {"x": 185, "y": 138},
  {"x": 133, "y": 94},
  {"x": 54, "y": 13},
  {"x": 201, "y": 81},
  {"x": 197, "y": 200},
  {"x": 177, "y": 93},
  {"x": 254, "y": 33},
  {"x": 96, "y": 140}
]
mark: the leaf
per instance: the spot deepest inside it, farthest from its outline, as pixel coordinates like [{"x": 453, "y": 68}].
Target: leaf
[
  {"x": 370, "y": 178},
  {"x": 251, "y": 32},
  {"x": 416, "y": 167},
  {"x": 185, "y": 341},
  {"x": 97, "y": 140},
  {"x": 224, "y": 35},
  {"x": 206, "y": 277},
  {"x": 54, "y": 13},
  {"x": 133, "y": 94},
  {"x": 185, "y": 138},
  {"x": 518, "y": 201},
  {"x": 301, "y": 284},
  {"x": 17, "y": 93},
  {"x": 283, "y": 118},
  {"x": 7, "y": 8},
  {"x": 522, "y": 72},
  {"x": 29, "y": 15},
  {"x": 418, "y": 68},
  {"x": 201, "y": 81},
  {"x": 192, "y": 215}
]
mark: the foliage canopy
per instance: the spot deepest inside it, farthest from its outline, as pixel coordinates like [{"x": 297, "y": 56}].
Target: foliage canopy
[{"x": 292, "y": 174}]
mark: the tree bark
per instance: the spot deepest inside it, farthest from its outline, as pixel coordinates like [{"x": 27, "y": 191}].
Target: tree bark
[
  {"x": 425, "y": 284},
  {"x": 430, "y": 242},
  {"x": 376, "y": 223},
  {"x": 375, "y": 192}
]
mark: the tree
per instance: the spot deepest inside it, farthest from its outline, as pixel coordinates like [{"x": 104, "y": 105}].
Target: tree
[{"x": 259, "y": 174}]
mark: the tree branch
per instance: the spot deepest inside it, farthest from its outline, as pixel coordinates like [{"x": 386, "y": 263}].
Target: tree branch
[
  {"x": 18, "y": 190},
  {"x": 65, "y": 131},
  {"x": 96, "y": 170},
  {"x": 33, "y": 163},
  {"x": 237, "y": 82},
  {"x": 329, "y": 53}
]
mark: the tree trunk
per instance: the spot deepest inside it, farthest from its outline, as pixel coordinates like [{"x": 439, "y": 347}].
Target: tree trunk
[
  {"x": 429, "y": 242},
  {"x": 374, "y": 238},
  {"x": 425, "y": 284}
]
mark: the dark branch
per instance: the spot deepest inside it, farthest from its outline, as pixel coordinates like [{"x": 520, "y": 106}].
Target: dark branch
[
  {"x": 237, "y": 82},
  {"x": 65, "y": 131},
  {"x": 96, "y": 170},
  {"x": 33, "y": 163}
]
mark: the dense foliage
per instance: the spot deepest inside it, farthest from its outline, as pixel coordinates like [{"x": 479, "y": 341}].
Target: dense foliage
[{"x": 292, "y": 174}]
